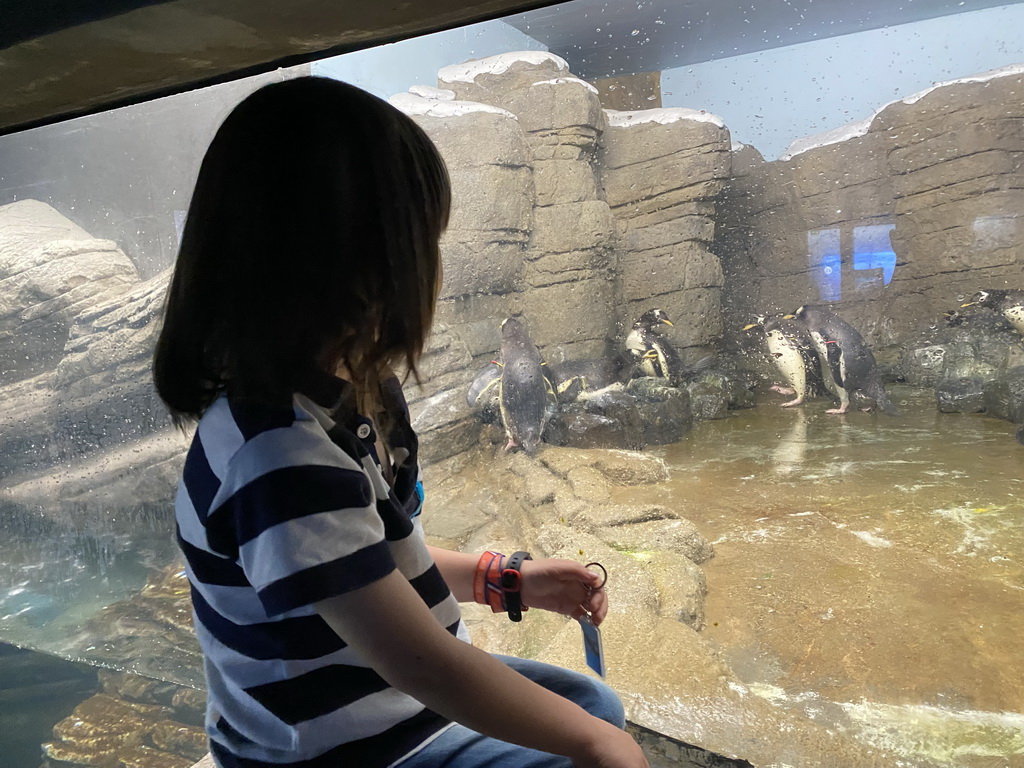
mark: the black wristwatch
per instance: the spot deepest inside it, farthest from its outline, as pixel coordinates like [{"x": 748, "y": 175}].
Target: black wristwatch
[{"x": 512, "y": 583}]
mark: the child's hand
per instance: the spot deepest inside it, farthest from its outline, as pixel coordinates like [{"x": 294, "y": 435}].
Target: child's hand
[{"x": 565, "y": 587}]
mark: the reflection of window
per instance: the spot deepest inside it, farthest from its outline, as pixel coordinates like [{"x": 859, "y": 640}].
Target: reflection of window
[
  {"x": 872, "y": 250},
  {"x": 869, "y": 247},
  {"x": 826, "y": 263}
]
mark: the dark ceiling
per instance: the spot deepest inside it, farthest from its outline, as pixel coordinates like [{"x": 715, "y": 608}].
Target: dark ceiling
[
  {"x": 603, "y": 38},
  {"x": 64, "y": 58}
]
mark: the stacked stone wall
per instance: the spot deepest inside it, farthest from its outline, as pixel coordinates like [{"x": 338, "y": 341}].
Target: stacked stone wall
[{"x": 943, "y": 171}]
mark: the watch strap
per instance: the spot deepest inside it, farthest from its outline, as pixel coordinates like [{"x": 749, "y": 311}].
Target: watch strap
[{"x": 512, "y": 583}]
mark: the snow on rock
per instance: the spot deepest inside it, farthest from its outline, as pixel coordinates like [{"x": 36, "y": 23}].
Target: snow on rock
[
  {"x": 860, "y": 127},
  {"x": 429, "y": 92},
  {"x": 558, "y": 80},
  {"x": 836, "y": 135},
  {"x": 663, "y": 116},
  {"x": 468, "y": 71},
  {"x": 412, "y": 104},
  {"x": 982, "y": 77}
]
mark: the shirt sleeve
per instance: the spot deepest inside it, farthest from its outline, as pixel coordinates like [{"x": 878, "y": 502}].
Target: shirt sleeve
[{"x": 306, "y": 519}]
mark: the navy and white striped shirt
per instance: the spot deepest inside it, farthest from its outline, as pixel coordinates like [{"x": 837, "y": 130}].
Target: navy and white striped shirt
[{"x": 277, "y": 510}]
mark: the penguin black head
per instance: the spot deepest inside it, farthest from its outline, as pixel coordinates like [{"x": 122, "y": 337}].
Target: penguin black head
[
  {"x": 759, "y": 322},
  {"x": 652, "y": 318},
  {"x": 981, "y": 299}
]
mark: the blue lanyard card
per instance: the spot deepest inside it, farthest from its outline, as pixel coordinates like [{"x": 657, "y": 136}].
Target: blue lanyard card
[{"x": 593, "y": 651}]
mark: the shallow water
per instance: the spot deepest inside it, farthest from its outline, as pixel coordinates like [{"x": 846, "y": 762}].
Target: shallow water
[{"x": 869, "y": 571}]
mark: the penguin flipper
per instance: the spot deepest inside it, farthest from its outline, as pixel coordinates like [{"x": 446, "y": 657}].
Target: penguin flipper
[
  {"x": 486, "y": 384},
  {"x": 834, "y": 356}
]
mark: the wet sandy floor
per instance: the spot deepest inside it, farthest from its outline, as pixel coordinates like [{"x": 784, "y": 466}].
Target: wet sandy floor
[{"x": 869, "y": 570}]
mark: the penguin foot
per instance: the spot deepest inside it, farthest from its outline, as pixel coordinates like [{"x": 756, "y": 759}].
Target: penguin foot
[
  {"x": 838, "y": 410},
  {"x": 510, "y": 444},
  {"x": 783, "y": 390},
  {"x": 791, "y": 403}
]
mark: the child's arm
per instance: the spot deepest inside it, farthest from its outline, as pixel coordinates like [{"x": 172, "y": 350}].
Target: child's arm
[
  {"x": 562, "y": 586},
  {"x": 392, "y": 629}
]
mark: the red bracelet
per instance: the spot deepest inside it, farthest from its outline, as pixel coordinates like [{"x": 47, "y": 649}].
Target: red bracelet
[{"x": 487, "y": 581}]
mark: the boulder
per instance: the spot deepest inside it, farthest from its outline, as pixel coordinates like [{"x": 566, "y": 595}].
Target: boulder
[
  {"x": 1004, "y": 396},
  {"x": 965, "y": 394},
  {"x": 50, "y": 271}
]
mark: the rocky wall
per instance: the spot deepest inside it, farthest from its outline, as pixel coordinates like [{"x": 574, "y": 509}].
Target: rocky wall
[
  {"x": 574, "y": 217},
  {"x": 936, "y": 179}
]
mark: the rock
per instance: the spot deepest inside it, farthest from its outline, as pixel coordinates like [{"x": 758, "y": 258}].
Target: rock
[
  {"x": 50, "y": 271},
  {"x": 1004, "y": 396},
  {"x": 682, "y": 587},
  {"x": 961, "y": 395},
  {"x": 589, "y": 485},
  {"x": 608, "y": 420},
  {"x": 679, "y": 536},
  {"x": 709, "y": 396},
  {"x": 664, "y": 411},
  {"x": 619, "y": 466}
]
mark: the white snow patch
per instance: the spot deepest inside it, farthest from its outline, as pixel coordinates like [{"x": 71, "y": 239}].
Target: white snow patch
[
  {"x": 836, "y": 135},
  {"x": 411, "y": 104},
  {"x": 429, "y": 92},
  {"x": 869, "y": 538},
  {"x": 468, "y": 71},
  {"x": 860, "y": 127},
  {"x": 558, "y": 80},
  {"x": 737, "y": 145},
  {"x": 664, "y": 116},
  {"x": 981, "y": 77}
]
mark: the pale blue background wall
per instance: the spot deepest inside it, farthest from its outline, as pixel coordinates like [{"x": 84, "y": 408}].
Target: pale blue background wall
[
  {"x": 391, "y": 69},
  {"x": 768, "y": 99}
]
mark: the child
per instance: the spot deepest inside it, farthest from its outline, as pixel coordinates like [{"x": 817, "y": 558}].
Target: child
[{"x": 332, "y": 637}]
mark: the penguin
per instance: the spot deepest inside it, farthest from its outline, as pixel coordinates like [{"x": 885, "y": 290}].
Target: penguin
[
  {"x": 485, "y": 392},
  {"x": 651, "y": 353},
  {"x": 792, "y": 350},
  {"x": 526, "y": 394},
  {"x": 574, "y": 378},
  {"x": 845, "y": 358},
  {"x": 1010, "y": 304}
]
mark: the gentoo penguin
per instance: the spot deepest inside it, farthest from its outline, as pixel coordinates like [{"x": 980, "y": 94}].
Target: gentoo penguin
[
  {"x": 651, "y": 353},
  {"x": 792, "y": 350},
  {"x": 1010, "y": 304},
  {"x": 845, "y": 358},
  {"x": 525, "y": 395}
]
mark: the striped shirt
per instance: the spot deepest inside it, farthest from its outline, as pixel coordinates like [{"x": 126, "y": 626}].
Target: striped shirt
[{"x": 277, "y": 510}]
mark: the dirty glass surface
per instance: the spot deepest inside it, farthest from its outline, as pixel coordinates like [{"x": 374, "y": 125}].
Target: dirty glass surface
[{"x": 802, "y": 474}]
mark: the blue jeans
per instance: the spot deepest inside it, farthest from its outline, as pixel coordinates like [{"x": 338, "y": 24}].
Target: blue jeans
[{"x": 459, "y": 747}]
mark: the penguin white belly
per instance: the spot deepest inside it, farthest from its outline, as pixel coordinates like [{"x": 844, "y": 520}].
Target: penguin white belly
[
  {"x": 826, "y": 369},
  {"x": 787, "y": 359},
  {"x": 635, "y": 343},
  {"x": 1016, "y": 317}
]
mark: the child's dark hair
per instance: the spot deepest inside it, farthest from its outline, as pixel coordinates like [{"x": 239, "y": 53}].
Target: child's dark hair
[{"x": 311, "y": 241}]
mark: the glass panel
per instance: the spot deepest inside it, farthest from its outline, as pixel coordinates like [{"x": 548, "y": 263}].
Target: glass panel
[{"x": 801, "y": 475}]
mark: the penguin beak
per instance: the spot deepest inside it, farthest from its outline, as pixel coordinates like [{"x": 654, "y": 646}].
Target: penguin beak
[
  {"x": 751, "y": 327},
  {"x": 651, "y": 355},
  {"x": 968, "y": 304},
  {"x": 667, "y": 322},
  {"x": 789, "y": 317}
]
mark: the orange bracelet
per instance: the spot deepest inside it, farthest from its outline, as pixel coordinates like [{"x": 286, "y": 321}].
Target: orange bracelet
[{"x": 487, "y": 581}]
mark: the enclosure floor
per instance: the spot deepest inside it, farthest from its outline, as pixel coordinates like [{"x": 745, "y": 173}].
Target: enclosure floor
[{"x": 868, "y": 569}]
